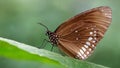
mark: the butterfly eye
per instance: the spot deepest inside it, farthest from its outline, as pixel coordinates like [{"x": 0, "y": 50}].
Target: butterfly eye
[{"x": 46, "y": 33}]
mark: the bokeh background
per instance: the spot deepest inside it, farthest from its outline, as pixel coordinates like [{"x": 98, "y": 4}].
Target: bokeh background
[{"x": 19, "y": 18}]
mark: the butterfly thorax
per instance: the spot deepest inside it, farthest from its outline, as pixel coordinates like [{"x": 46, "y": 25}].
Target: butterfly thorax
[{"x": 53, "y": 37}]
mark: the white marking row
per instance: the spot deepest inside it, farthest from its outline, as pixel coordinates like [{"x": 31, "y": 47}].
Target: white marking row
[{"x": 83, "y": 53}]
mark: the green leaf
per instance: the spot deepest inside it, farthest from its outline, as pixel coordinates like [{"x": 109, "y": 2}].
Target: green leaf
[{"x": 20, "y": 51}]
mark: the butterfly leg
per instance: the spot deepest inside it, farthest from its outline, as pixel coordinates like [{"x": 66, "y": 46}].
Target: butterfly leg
[
  {"x": 44, "y": 43},
  {"x": 52, "y": 46}
]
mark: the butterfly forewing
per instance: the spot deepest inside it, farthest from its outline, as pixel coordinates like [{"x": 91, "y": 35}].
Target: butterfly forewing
[{"x": 79, "y": 35}]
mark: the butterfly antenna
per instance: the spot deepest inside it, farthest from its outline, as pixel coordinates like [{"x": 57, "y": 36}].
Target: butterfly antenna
[{"x": 43, "y": 26}]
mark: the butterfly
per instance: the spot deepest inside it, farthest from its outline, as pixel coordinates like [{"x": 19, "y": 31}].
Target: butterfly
[{"x": 78, "y": 36}]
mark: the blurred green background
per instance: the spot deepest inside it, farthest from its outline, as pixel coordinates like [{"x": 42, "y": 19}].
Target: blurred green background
[{"x": 19, "y": 18}]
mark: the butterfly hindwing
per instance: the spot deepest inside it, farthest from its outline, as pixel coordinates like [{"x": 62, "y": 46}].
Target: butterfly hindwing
[{"x": 80, "y": 34}]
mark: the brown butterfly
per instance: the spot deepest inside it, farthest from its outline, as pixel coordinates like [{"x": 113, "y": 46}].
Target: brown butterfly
[{"x": 78, "y": 36}]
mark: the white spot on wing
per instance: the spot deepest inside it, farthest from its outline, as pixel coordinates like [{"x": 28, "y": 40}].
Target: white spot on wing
[
  {"x": 86, "y": 46},
  {"x": 91, "y": 33},
  {"x": 85, "y": 55},
  {"x": 95, "y": 35},
  {"x": 80, "y": 55},
  {"x": 88, "y": 43},
  {"x": 90, "y": 38},
  {"x": 95, "y": 38},
  {"x": 77, "y": 38},
  {"x": 90, "y": 49},
  {"x": 76, "y": 31},
  {"x": 92, "y": 28},
  {"x": 108, "y": 15},
  {"x": 93, "y": 41},
  {"x": 93, "y": 45},
  {"x": 83, "y": 49},
  {"x": 88, "y": 52},
  {"x": 95, "y": 31}
]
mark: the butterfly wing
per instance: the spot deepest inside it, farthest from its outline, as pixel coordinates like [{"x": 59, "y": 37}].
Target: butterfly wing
[{"x": 79, "y": 35}]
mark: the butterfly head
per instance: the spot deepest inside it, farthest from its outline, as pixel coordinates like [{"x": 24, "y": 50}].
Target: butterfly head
[
  {"x": 48, "y": 33},
  {"x": 52, "y": 36}
]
